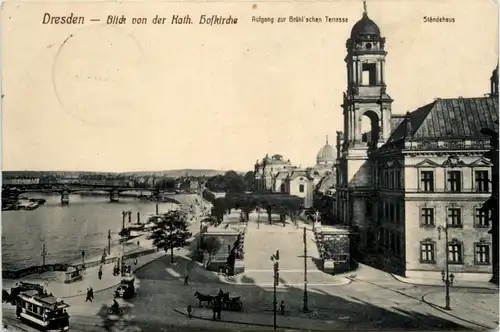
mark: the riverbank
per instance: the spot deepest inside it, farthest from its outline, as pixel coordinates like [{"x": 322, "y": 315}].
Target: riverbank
[{"x": 82, "y": 226}]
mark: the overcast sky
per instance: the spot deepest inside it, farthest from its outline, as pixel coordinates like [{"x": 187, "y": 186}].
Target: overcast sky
[{"x": 158, "y": 97}]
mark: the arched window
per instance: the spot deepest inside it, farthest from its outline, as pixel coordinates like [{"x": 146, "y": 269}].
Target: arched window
[
  {"x": 301, "y": 188},
  {"x": 427, "y": 251},
  {"x": 455, "y": 252}
]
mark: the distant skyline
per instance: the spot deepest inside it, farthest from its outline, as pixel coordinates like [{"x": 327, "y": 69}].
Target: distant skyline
[{"x": 152, "y": 98}]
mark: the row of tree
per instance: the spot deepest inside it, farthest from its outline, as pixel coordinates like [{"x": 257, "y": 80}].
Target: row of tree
[{"x": 231, "y": 182}]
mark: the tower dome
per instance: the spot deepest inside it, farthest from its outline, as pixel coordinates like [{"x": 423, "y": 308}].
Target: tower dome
[
  {"x": 325, "y": 154},
  {"x": 365, "y": 28}
]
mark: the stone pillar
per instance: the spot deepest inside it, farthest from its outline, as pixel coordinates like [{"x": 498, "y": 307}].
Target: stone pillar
[
  {"x": 114, "y": 196},
  {"x": 382, "y": 68},
  {"x": 65, "y": 197}
]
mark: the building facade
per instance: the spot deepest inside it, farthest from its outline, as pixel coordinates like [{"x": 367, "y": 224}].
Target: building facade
[
  {"x": 274, "y": 174},
  {"x": 411, "y": 175}
]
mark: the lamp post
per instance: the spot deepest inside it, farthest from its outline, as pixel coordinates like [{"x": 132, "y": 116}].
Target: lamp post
[
  {"x": 43, "y": 254},
  {"x": 305, "y": 308},
  {"x": 109, "y": 242},
  {"x": 446, "y": 277}
]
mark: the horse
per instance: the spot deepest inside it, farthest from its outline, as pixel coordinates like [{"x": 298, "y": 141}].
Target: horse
[
  {"x": 203, "y": 298},
  {"x": 5, "y": 296}
]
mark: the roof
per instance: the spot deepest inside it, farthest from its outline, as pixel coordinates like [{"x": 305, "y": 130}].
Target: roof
[
  {"x": 325, "y": 154},
  {"x": 326, "y": 182},
  {"x": 365, "y": 26},
  {"x": 282, "y": 175},
  {"x": 453, "y": 118},
  {"x": 299, "y": 172},
  {"x": 396, "y": 120}
]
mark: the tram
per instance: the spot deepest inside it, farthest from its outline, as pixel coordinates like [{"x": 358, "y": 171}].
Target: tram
[{"x": 42, "y": 311}]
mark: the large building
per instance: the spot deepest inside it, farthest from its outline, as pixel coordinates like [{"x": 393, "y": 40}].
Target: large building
[{"x": 410, "y": 175}]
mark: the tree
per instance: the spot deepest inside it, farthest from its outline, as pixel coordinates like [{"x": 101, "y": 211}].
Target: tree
[
  {"x": 171, "y": 231},
  {"x": 211, "y": 245},
  {"x": 234, "y": 182},
  {"x": 248, "y": 179}
]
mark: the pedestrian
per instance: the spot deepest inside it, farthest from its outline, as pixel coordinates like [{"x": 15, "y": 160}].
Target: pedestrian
[
  {"x": 135, "y": 261},
  {"x": 282, "y": 308},
  {"x": 214, "y": 310},
  {"x": 88, "y": 296},
  {"x": 99, "y": 273},
  {"x": 189, "y": 310},
  {"x": 91, "y": 294},
  {"x": 186, "y": 280}
]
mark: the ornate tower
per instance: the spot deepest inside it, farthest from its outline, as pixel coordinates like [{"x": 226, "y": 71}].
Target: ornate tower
[
  {"x": 366, "y": 89},
  {"x": 366, "y": 98}
]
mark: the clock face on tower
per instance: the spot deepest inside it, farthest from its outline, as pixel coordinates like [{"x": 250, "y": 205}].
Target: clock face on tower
[{"x": 368, "y": 45}]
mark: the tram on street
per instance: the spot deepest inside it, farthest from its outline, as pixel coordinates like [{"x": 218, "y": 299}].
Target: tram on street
[{"x": 42, "y": 311}]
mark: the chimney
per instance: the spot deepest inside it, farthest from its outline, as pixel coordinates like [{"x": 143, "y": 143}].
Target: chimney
[{"x": 408, "y": 128}]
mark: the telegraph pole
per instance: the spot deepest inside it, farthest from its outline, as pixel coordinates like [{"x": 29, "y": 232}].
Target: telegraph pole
[
  {"x": 276, "y": 259},
  {"x": 305, "y": 308}
]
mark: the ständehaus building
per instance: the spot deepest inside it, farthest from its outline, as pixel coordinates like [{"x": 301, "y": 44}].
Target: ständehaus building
[{"x": 412, "y": 173}]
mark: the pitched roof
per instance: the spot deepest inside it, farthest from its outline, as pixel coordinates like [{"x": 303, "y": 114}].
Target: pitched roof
[
  {"x": 453, "y": 118},
  {"x": 326, "y": 182},
  {"x": 299, "y": 172}
]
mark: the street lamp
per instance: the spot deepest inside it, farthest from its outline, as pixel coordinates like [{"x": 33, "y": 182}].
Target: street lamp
[{"x": 446, "y": 277}]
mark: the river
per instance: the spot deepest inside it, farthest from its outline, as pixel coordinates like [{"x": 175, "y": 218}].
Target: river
[{"x": 66, "y": 230}]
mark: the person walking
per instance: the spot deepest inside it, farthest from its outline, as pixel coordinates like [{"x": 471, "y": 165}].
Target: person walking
[
  {"x": 88, "y": 296},
  {"x": 91, "y": 294},
  {"x": 282, "y": 308},
  {"x": 99, "y": 273},
  {"x": 186, "y": 280},
  {"x": 189, "y": 311}
]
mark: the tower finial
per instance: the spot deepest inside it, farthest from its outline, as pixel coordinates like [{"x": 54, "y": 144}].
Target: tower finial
[
  {"x": 326, "y": 139},
  {"x": 365, "y": 9}
]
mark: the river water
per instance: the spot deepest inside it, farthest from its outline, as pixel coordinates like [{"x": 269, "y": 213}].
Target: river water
[{"x": 66, "y": 230}]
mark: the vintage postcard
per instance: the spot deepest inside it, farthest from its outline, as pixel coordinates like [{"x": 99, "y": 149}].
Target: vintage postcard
[{"x": 241, "y": 165}]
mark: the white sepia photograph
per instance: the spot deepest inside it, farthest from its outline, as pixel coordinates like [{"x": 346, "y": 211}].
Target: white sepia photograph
[{"x": 249, "y": 165}]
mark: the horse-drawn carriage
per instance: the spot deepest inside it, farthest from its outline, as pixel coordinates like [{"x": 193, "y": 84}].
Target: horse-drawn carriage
[{"x": 223, "y": 299}]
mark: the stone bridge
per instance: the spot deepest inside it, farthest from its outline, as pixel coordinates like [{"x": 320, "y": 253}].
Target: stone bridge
[{"x": 66, "y": 190}]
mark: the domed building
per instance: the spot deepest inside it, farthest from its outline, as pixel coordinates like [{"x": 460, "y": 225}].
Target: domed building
[{"x": 325, "y": 160}]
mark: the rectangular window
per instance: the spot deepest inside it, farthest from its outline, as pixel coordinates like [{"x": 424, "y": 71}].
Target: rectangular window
[
  {"x": 454, "y": 181},
  {"x": 369, "y": 209},
  {"x": 482, "y": 181},
  {"x": 427, "y": 252},
  {"x": 454, "y": 217},
  {"x": 368, "y": 74},
  {"x": 397, "y": 213},
  {"x": 427, "y": 180},
  {"x": 482, "y": 254},
  {"x": 482, "y": 218},
  {"x": 398, "y": 179},
  {"x": 427, "y": 216},
  {"x": 455, "y": 253}
]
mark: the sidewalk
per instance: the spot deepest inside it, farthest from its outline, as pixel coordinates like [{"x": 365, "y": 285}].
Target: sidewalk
[
  {"x": 438, "y": 282},
  {"x": 289, "y": 278},
  {"x": 55, "y": 280},
  {"x": 483, "y": 311},
  {"x": 289, "y": 321}
]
